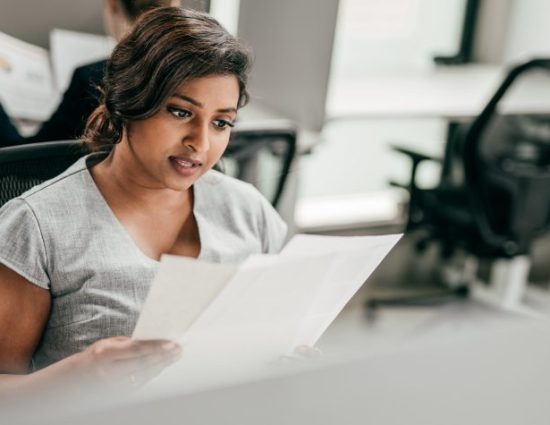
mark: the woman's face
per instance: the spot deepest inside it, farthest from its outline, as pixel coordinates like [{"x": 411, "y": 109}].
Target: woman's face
[{"x": 186, "y": 137}]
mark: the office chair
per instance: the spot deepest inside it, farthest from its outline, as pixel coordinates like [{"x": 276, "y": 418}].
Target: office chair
[
  {"x": 498, "y": 202},
  {"x": 24, "y": 166},
  {"x": 278, "y": 141}
]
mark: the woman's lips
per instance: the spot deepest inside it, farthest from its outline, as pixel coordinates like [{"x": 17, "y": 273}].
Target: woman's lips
[{"x": 185, "y": 166}]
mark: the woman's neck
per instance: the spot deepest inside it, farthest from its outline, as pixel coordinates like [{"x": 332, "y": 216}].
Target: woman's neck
[{"x": 122, "y": 184}]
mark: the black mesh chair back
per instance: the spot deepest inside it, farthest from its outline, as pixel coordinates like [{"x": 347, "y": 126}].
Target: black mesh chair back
[
  {"x": 24, "y": 166},
  {"x": 249, "y": 144},
  {"x": 506, "y": 161},
  {"x": 493, "y": 199}
]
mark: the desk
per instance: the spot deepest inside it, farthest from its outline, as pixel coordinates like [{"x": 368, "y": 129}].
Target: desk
[
  {"x": 453, "y": 93},
  {"x": 457, "y": 364}
]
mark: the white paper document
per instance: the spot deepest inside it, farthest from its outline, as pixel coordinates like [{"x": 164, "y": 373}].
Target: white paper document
[
  {"x": 71, "y": 49},
  {"x": 26, "y": 84},
  {"x": 263, "y": 308},
  {"x": 32, "y": 83},
  {"x": 352, "y": 261}
]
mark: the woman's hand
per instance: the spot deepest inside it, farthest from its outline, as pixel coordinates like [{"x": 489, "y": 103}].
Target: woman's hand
[
  {"x": 301, "y": 353},
  {"x": 121, "y": 361},
  {"x": 306, "y": 352}
]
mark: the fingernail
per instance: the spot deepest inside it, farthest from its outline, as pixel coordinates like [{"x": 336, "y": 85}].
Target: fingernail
[{"x": 169, "y": 346}]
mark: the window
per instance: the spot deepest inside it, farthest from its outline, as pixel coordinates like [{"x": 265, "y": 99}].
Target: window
[{"x": 353, "y": 161}]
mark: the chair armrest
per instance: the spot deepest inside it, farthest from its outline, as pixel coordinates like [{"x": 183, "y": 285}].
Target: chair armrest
[{"x": 416, "y": 158}]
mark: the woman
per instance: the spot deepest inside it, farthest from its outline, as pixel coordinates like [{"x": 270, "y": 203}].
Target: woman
[
  {"x": 72, "y": 284},
  {"x": 82, "y": 96}
]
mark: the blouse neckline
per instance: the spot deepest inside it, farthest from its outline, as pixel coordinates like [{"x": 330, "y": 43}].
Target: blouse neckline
[{"x": 93, "y": 159}]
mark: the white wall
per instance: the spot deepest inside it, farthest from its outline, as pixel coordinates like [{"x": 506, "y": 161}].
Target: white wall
[
  {"x": 529, "y": 30},
  {"x": 394, "y": 35},
  {"x": 32, "y": 20}
]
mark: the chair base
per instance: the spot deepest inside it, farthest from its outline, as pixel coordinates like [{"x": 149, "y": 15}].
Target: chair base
[
  {"x": 506, "y": 287},
  {"x": 507, "y": 283}
]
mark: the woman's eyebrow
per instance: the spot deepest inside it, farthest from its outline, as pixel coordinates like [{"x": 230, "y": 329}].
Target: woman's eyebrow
[
  {"x": 189, "y": 99},
  {"x": 199, "y": 104}
]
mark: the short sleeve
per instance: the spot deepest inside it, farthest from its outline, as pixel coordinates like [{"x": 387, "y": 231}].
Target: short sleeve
[
  {"x": 22, "y": 247},
  {"x": 274, "y": 228}
]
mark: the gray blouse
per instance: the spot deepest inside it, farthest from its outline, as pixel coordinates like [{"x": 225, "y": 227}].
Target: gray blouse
[{"x": 62, "y": 236}]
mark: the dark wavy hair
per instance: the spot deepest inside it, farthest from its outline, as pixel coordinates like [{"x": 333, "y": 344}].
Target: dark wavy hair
[{"x": 167, "y": 47}]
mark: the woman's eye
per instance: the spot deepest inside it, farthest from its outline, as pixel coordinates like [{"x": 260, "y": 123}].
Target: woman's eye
[
  {"x": 221, "y": 124},
  {"x": 179, "y": 113}
]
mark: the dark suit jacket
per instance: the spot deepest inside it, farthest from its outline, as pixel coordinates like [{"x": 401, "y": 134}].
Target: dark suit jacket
[{"x": 69, "y": 120}]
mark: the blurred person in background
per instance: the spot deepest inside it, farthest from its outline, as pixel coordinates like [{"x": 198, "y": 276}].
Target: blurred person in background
[{"x": 82, "y": 95}]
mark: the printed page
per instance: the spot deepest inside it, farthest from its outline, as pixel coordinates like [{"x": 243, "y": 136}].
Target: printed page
[
  {"x": 26, "y": 85},
  {"x": 269, "y": 304},
  {"x": 234, "y": 321},
  {"x": 352, "y": 261},
  {"x": 246, "y": 329},
  {"x": 260, "y": 309},
  {"x": 182, "y": 289},
  {"x": 71, "y": 49}
]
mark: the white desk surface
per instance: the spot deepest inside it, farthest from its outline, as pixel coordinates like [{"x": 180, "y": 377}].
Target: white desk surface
[
  {"x": 452, "y": 92},
  {"x": 453, "y": 364}
]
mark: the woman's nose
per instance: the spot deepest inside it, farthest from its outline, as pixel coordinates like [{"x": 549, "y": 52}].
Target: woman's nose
[{"x": 198, "y": 139}]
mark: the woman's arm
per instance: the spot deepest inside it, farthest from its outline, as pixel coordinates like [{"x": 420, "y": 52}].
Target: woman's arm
[{"x": 24, "y": 310}]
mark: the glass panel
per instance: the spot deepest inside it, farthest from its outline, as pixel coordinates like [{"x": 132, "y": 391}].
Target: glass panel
[{"x": 395, "y": 38}]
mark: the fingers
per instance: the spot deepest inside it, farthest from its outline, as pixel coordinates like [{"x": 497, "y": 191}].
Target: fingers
[
  {"x": 140, "y": 365},
  {"x": 300, "y": 354},
  {"x": 144, "y": 375},
  {"x": 122, "y": 348},
  {"x": 121, "y": 360},
  {"x": 307, "y": 351}
]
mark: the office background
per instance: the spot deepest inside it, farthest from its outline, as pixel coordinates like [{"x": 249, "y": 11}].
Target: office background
[
  {"x": 339, "y": 183},
  {"x": 351, "y": 155}
]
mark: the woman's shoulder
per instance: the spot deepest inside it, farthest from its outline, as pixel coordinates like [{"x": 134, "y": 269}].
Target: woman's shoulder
[
  {"x": 65, "y": 185},
  {"x": 32, "y": 223},
  {"x": 228, "y": 200},
  {"x": 227, "y": 188}
]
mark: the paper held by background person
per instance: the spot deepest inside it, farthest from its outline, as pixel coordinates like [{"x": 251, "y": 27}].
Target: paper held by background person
[
  {"x": 71, "y": 49},
  {"x": 31, "y": 82},
  {"x": 26, "y": 84},
  {"x": 265, "y": 307}
]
